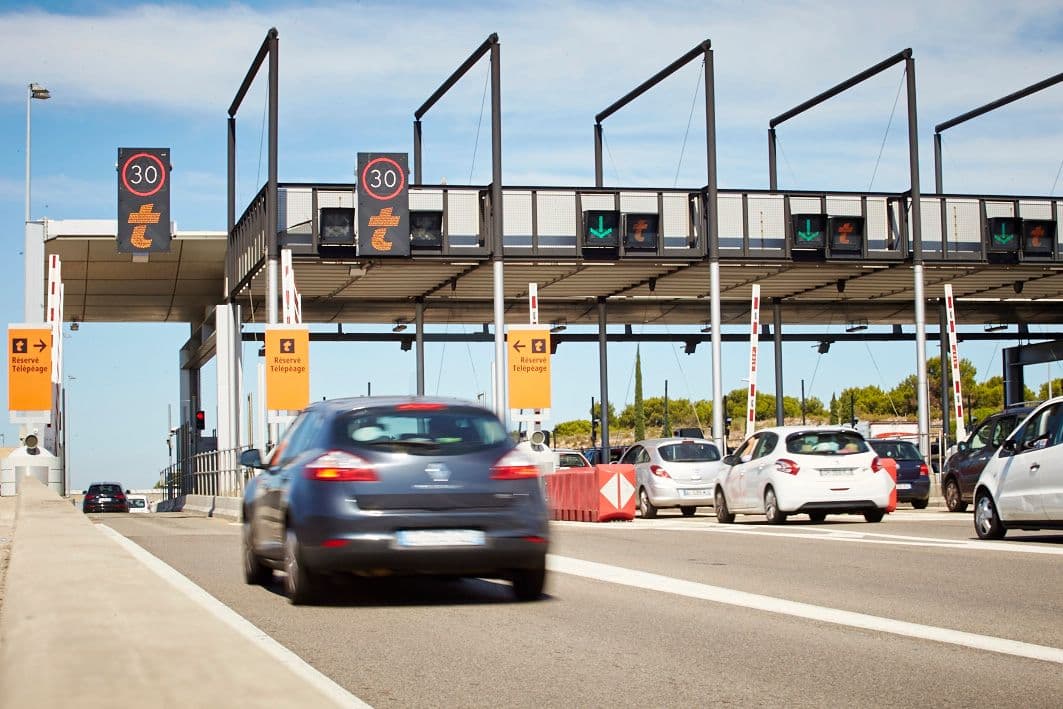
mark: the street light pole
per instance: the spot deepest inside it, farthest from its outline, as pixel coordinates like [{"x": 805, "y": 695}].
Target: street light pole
[{"x": 33, "y": 91}]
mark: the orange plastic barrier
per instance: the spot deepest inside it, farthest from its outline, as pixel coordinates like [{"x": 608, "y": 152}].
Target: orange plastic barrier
[
  {"x": 603, "y": 493},
  {"x": 891, "y": 467}
]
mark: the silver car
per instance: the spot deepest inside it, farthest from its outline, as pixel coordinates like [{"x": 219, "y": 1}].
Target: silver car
[{"x": 674, "y": 472}]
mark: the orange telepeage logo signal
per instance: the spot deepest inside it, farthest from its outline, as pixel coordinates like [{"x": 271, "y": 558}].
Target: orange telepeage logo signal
[
  {"x": 383, "y": 220},
  {"x": 142, "y": 217}
]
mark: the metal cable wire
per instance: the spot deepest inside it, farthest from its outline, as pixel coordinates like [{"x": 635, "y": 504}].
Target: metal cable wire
[
  {"x": 690, "y": 118},
  {"x": 479, "y": 123},
  {"x": 787, "y": 161},
  {"x": 882, "y": 147},
  {"x": 442, "y": 356},
  {"x": 881, "y": 380},
  {"x": 1056, "y": 181}
]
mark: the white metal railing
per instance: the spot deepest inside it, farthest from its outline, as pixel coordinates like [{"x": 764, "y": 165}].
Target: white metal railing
[{"x": 216, "y": 473}]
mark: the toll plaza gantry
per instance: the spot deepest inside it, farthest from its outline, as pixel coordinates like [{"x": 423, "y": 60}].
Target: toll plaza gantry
[{"x": 599, "y": 254}]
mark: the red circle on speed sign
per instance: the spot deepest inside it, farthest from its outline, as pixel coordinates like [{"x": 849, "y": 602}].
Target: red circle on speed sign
[
  {"x": 369, "y": 189},
  {"x": 125, "y": 174}
]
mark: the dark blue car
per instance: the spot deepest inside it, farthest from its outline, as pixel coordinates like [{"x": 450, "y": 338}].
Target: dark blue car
[
  {"x": 374, "y": 485},
  {"x": 913, "y": 475}
]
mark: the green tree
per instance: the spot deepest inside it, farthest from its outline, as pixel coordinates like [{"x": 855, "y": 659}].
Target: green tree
[
  {"x": 640, "y": 414},
  {"x": 578, "y": 428},
  {"x": 833, "y": 408},
  {"x": 1056, "y": 389}
]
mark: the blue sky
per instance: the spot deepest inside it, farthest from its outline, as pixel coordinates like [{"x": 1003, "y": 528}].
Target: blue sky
[{"x": 163, "y": 74}]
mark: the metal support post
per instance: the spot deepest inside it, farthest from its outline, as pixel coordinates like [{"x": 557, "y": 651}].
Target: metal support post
[
  {"x": 496, "y": 223},
  {"x": 417, "y": 151},
  {"x": 603, "y": 379},
  {"x": 419, "y": 324},
  {"x": 599, "y": 177},
  {"x": 773, "y": 174},
  {"x": 776, "y": 327},
  {"x": 917, "y": 262}
]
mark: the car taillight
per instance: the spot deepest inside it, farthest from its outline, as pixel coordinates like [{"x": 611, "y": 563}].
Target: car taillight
[
  {"x": 785, "y": 465},
  {"x": 659, "y": 471},
  {"x": 339, "y": 466},
  {"x": 120, "y": 497},
  {"x": 876, "y": 465},
  {"x": 923, "y": 470},
  {"x": 90, "y": 497},
  {"x": 514, "y": 465}
]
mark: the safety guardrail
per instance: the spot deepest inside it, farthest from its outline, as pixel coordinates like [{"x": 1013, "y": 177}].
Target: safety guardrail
[{"x": 216, "y": 473}]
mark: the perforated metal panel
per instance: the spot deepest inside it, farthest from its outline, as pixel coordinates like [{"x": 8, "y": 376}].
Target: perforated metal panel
[
  {"x": 766, "y": 217},
  {"x": 597, "y": 201},
  {"x": 335, "y": 198},
  {"x": 517, "y": 218},
  {"x": 431, "y": 199},
  {"x": 963, "y": 225},
  {"x": 931, "y": 223},
  {"x": 805, "y": 205},
  {"x": 642, "y": 202},
  {"x": 731, "y": 229},
  {"x": 1029, "y": 209},
  {"x": 999, "y": 209},
  {"x": 463, "y": 217},
  {"x": 293, "y": 206},
  {"x": 557, "y": 214},
  {"x": 843, "y": 206},
  {"x": 675, "y": 221},
  {"x": 876, "y": 226}
]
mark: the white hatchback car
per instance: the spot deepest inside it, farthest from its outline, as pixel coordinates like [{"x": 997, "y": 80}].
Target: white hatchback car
[
  {"x": 1021, "y": 486},
  {"x": 813, "y": 470},
  {"x": 138, "y": 503},
  {"x": 674, "y": 472}
]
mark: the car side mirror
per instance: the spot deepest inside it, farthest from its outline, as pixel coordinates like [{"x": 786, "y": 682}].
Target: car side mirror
[
  {"x": 729, "y": 460},
  {"x": 251, "y": 458},
  {"x": 962, "y": 447}
]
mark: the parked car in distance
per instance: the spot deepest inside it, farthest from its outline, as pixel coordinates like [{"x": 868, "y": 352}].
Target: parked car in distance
[
  {"x": 138, "y": 503},
  {"x": 674, "y": 472},
  {"x": 963, "y": 467},
  {"x": 913, "y": 474},
  {"x": 1021, "y": 485},
  {"x": 398, "y": 485},
  {"x": 571, "y": 459},
  {"x": 104, "y": 497},
  {"x": 593, "y": 454},
  {"x": 813, "y": 470}
]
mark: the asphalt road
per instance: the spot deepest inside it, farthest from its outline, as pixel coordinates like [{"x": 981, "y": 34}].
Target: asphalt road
[{"x": 605, "y": 636}]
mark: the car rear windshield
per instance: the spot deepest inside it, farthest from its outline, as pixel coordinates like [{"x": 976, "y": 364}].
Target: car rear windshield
[
  {"x": 826, "y": 443},
  {"x": 898, "y": 450},
  {"x": 429, "y": 429},
  {"x": 689, "y": 452},
  {"x": 105, "y": 489}
]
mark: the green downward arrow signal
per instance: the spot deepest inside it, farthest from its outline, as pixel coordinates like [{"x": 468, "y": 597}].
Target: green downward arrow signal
[
  {"x": 1003, "y": 237},
  {"x": 601, "y": 232},
  {"x": 807, "y": 234}
]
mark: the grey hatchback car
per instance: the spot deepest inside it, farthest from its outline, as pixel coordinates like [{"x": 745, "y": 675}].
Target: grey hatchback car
[{"x": 374, "y": 485}]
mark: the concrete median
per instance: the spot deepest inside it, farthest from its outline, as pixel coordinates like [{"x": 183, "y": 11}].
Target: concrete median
[{"x": 85, "y": 623}]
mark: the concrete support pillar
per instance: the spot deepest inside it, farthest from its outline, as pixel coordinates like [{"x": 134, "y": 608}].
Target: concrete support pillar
[{"x": 228, "y": 348}]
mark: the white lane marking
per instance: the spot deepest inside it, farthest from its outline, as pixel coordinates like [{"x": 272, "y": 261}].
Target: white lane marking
[
  {"x": 237, "y": 622},
  {"x": 770, "y": 604},
  {"x": 828, "y": 534}
]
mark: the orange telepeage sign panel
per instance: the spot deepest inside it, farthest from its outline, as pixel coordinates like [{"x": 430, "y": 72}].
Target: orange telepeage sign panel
[
  {"x": 528, "y": 356},
  {"x": 287, "y": 368},
  {"x": 29, "y": 369}
]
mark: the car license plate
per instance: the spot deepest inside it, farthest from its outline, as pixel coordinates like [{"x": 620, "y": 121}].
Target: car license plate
[
  {"x": 835, "y": 472},
  {"x": 105, "y": 499},
  {"x": 693, "y": 493},
  {"x": 440, "y": 538},
  {"x": 904, "y": 486}
]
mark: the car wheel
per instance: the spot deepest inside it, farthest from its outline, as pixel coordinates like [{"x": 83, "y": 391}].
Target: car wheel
[
  {"x": 300, "y": 584},
  {"x": 875, "y": 516},
  {"x": 687, "y": 510},
  {"x": 255, "y": 572},
  {"x": 920, "y": 504},
  {"x": 528, "y": 583},
  {"x": 771, "y": 508},
  {"x": 986, "y": 520},
  {"x": 953, "y": 501},
  {"x": 645, "y": 506},
  {"x": 723, "y": 515},
  {"x": 817, "y": 517}
]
